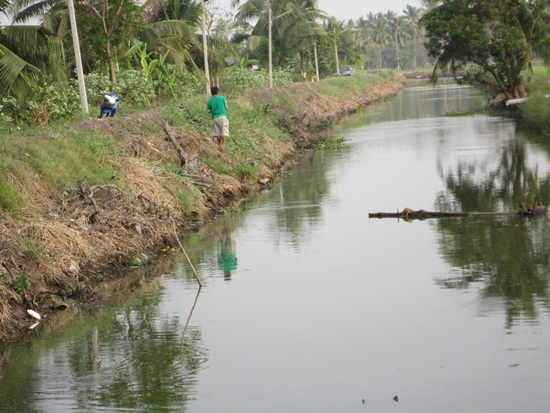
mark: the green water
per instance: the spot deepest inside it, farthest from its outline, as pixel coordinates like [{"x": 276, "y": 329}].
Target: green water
[{"x": 308, "y": 305}]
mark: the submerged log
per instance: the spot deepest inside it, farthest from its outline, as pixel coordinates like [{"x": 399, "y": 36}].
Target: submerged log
[{"x": 408, "y": 214}]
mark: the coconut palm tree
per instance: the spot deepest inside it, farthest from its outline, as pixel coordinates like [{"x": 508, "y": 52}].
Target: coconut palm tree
[
  {"x": 381, "y": 34},
  {"x": 400, "y": 34},
  {"x": 294, "y": 26},
  {"x": 363, "y": 31},
  {"x": 104, "y": 25},
  {"x": 412, "y": 17},
  {"x": 172, "y": 26}
]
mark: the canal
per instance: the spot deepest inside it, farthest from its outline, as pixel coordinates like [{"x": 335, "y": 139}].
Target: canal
[{"x": 309, "y": 305}]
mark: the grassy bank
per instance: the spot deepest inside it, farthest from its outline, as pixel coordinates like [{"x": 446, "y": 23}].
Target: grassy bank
[
  {"x": 534, "y": 114},
  {"x": 80, "y": 199}
]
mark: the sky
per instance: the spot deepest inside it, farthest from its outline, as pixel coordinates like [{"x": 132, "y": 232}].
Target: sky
[{"x": 353, "y": 9}]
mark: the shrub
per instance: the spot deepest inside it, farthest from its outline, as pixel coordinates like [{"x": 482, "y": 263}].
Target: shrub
[
  {"x": 20, "y": 284},
  {"x": 238, "y": 81},
  {"x": 45, "y": 103},
  {"x": 132, "y": 86}
]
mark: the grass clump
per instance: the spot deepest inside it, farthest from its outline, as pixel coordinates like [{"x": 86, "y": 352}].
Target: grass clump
[
  {"x": 459, "y": 113},
  {"x": 12, "y": 197},
  {"x": 535, "y": 114},
  {"x": 20, "y": 284}
]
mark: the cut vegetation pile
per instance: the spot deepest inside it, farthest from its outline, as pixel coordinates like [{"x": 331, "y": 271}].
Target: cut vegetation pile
[{"x": 79, "y": 202}]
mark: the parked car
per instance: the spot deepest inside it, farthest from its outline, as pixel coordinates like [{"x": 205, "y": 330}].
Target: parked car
[{"x": 346, "y": 70}]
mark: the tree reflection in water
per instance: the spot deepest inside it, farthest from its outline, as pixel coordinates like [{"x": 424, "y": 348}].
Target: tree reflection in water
[
  {"x": 510, "y": 255},
  {"x": 131, "y": 357}
]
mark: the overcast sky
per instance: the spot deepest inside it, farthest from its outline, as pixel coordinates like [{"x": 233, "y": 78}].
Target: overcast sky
[{"x": 353, "y": 9}]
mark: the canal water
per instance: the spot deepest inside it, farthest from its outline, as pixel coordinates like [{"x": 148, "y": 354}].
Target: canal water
[{"x": 309, "y": 305}]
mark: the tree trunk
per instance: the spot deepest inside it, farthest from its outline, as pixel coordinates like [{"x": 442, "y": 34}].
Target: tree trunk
[{"x": 111, "y": 61}]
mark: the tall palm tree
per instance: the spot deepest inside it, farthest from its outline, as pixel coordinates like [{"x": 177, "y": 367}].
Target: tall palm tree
[
  {"x": 381, "y": 33},
  {"x": 363, "y": 31},
  {"x": 114, "y": 20},
  {"x": 172, "y": 26},
  {"x": 294, "y": 27},
  {"x": 400, "y": 33},
  {"x": 412, "y": 16}
]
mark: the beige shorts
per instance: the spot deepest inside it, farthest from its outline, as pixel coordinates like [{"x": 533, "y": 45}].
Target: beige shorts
[{"x": 220, "y": 126}]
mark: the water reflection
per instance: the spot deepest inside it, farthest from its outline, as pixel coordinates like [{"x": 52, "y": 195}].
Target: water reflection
[
  {"x": 510, "y": 256},
  {"x": 436, "y": 102},
  {"x": 130, "y": 358},
  {"x": 300, "y": 200},
  {"x": 227, "y": 258}
]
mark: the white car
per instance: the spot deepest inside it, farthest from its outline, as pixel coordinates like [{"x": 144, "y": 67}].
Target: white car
[{"x": 346, "y": 70}]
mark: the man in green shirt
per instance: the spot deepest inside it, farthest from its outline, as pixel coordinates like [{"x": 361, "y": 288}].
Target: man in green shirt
[{"x": 217, "y": 106}]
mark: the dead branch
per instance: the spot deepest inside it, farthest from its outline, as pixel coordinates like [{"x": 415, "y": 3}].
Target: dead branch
[
  {"x": 12, "y": 276},
  {"x": 408, "y": 214},
  {"x": 200, "y": 180},
  {"x": 88, "y": 195},
  {"x": 182, "y": 157}
]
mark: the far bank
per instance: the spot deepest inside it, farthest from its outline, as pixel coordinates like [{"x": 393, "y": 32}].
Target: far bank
[{"x": 82, "y": 200}]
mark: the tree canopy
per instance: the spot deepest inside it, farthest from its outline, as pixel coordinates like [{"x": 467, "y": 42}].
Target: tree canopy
[{"x": 499, "y": 36}]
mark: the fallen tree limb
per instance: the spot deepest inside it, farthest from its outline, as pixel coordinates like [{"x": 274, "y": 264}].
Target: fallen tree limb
[
  {"x": 408, "y": 214},
  {"x": 182, "y": 157},
  {"x": 200, "y": 180}
]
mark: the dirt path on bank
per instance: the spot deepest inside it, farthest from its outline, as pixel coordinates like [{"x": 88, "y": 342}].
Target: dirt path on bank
[{"x": 67, "y": 244}]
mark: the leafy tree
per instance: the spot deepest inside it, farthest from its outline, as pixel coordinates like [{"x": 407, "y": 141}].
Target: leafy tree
[
  {"x": 496, "y": 35},
  {"x": 107, "y": 26}
]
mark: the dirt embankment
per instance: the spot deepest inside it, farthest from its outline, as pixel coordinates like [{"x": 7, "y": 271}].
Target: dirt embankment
[{"x": 67, "y": 243}]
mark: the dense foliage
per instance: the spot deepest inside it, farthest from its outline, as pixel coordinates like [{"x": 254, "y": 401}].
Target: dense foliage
[
  {"x": 497, "y": 36},
  {"x": 155, "y": 50}
]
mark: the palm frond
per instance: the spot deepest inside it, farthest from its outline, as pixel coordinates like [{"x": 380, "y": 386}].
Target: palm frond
[{"x": 13, "y": 67}]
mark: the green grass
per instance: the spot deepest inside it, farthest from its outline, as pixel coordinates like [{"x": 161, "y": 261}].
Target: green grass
[
  {"x": 53, "y": 160},
  {"x": 12, "y": 200},
  {"x": 65, "y": 160},
  {"x": 534, "y": 113}
]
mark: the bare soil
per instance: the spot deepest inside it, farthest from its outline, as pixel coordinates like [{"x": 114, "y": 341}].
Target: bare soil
[{"x": 85, "y": 234}]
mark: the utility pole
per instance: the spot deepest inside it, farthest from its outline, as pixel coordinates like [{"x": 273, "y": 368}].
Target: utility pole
[
  {"x": 316, "y": 60},
  {"x": 205, "y": 49},
  {"x": 270, "y": 35},
  {"x": 78, "y": 59},
  {"x": 270, "y": 47}
]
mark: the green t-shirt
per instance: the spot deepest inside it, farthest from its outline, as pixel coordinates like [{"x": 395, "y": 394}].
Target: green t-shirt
[{"x": 217, "y": 105}]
